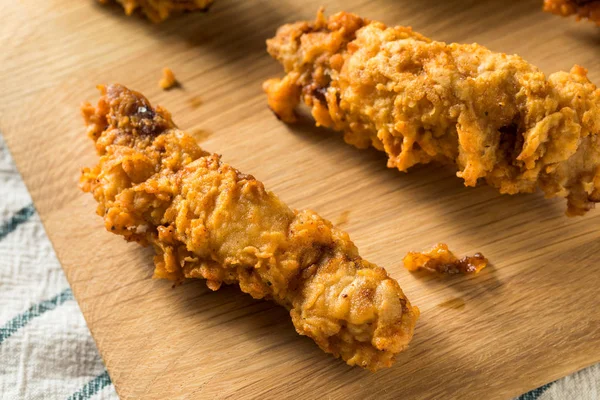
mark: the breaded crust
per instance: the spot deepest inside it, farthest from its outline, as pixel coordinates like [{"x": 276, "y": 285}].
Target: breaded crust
[
  {"x": 205, "y": 219},
  {"x": 493, "y": 116}
]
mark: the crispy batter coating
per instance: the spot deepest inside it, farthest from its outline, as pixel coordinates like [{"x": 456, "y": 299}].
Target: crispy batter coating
[
  {"x": 495, "y": 116},
  {"x": 589, "y": 9},
  {"x": 154, "y": 185},
  {"x": 441, "y": 259},
  {"x": 159, "y": 10}
]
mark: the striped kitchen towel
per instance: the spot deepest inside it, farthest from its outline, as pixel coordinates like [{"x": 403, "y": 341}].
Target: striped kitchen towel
[{"x": 46, "y": 351}]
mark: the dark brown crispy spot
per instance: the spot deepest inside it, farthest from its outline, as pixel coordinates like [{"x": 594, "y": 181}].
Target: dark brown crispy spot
[
  {"x": 132, "y": 112},
  {"x": 511, "y": 141},
  {"x": 366, "y": 293},
  {"x": 319, "y": 94},
  {"x": 403, "y": 305},
  {"x": 468, "y": 264}
]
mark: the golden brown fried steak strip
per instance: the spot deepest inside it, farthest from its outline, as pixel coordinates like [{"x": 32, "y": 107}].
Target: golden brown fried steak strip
[
  {"x": 154, "y": 185},
  {"x": 589, "y": 9},
  {"x": 159, "y": 10},
  {"x": 441, "y": 259},
  {"x": 493, "y": 115}
]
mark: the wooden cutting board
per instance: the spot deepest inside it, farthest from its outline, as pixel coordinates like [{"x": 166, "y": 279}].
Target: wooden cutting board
[{"x": 530, "y": 318}]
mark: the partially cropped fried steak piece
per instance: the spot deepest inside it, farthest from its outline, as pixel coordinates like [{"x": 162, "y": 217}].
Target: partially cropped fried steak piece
[
  {"x": 582, "y": 9},
  {"x": 492, "y": 116},
  {"x": 159, "y": 10}
]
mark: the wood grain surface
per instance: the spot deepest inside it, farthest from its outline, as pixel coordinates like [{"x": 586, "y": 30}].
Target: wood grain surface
[{"x": 528, "y": 319}]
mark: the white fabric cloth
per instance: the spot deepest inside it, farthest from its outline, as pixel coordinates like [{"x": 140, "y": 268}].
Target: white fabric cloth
[{"x": 46, "y": 351}]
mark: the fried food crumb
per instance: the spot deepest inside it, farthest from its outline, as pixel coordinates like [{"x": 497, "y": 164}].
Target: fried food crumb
[
  {"x": 441, "y": 259},
  {"x": 588, "y": 9},
  {"x": 168, "y": 79}
]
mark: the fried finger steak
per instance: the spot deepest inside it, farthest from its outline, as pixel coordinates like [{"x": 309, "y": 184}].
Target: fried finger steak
[
  {"x": 494, "y": 116},
  {"x": 154, "y": 185},
  {"x": 588, "y": 9},
  {"x": 159, "y": 10}
]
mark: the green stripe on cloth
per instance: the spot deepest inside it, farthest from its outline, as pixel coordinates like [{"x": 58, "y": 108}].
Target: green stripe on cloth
[
  {"x": 36, "y": 310},
  {"x": 92, "y": 387},
  {"x": 535, "y": 393},
  {"x": 17, "y": 219}
]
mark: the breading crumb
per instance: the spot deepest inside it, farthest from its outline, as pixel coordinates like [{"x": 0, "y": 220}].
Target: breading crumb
[
  {"x": 441, "y": 259},
  {"x": 168, "y": 79}
]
